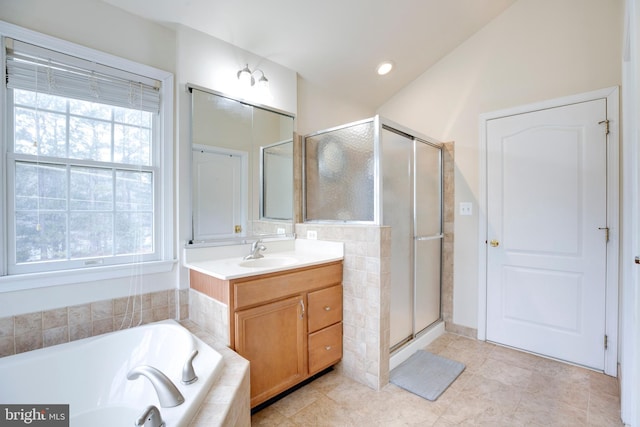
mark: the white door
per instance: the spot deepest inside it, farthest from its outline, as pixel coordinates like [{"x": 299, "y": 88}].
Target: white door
[
  {"x": 547, "y": 236},
  {"x": 218, "y": 201}
]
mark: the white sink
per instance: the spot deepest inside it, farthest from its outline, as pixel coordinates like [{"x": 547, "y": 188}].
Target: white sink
[{"x": 267, "y": 262}]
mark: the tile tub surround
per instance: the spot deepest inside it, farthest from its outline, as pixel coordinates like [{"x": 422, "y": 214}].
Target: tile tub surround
[{"x": 32, "y": 331}]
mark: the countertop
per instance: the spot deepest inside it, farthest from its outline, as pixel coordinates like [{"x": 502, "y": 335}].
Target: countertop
[{"x": 304, "y": 253}]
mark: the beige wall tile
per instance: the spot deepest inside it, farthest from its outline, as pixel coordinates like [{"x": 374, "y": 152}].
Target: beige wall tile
[
  {"x": 101, "y": 310},
  {"x": 55, "y": 318},
  {"x": 27, "y": 323},
  {"x": 28, "y": 341},
  {"x": 55, "y": 336},
  {"x": 7, "y": 346},
  {"x": 80, "y": 315},
  {"x": 7, "y": 326}
]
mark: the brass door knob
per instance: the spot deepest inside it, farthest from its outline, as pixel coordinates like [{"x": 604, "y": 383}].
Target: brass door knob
[{"x": 494, "y": 243}]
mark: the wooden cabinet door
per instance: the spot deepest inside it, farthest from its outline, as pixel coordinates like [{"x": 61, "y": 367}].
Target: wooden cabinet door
[{"x": 273, "y": 338}]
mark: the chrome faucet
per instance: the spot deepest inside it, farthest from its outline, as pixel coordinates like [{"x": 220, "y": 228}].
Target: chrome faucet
[
  {"x": 256, "y": 247},
  {"x": 150, "y": 418},
  {"x": 168, "y": 394}
]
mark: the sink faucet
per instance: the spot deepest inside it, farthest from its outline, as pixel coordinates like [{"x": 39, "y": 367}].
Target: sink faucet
[
  {"x": 256, "y": 247},
  {"x": 150, "y": 418},
  {"x": 168, "y": 394}
]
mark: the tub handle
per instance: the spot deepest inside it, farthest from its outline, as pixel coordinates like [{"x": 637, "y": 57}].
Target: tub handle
[
  {"x": 150, "y": 418},
  {"x": 188, "y": 373}
]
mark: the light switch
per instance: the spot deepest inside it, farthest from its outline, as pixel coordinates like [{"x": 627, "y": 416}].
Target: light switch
[{"x": 466, "y": 208}]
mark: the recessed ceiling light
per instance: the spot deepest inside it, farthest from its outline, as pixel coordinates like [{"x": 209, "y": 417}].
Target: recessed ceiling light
[{"x": 385, "y": 67}]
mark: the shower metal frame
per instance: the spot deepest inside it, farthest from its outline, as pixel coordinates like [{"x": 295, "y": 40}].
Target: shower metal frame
[{"x": 381, "y": 123}]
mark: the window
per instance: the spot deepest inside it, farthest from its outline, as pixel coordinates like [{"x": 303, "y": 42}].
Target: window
[{"x": 85, "y": 171}]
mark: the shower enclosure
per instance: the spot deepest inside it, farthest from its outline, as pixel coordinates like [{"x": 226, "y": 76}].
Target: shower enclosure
[{"x": 377, "y": 172}]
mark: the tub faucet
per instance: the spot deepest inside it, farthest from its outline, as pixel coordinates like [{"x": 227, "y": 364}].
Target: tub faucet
[
  {"x": 168, "y": 394},
  {"x": 256, "y": 247},
  {"x": 188, "y": 373},
  {"x": 150, "y": 418}
]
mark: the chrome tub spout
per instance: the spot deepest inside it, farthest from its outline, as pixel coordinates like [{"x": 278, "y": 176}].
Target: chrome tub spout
[{"x": 168, "y": 394}]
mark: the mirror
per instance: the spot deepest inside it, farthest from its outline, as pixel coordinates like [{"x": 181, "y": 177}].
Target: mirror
[
  {"x": 276, "y": 187},
  {"x": 242, "y": 169}
]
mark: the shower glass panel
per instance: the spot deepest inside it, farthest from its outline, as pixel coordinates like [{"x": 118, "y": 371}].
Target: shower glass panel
[
  {"x": 397, "y": 212},
  {"x": 339, "y": 173}
]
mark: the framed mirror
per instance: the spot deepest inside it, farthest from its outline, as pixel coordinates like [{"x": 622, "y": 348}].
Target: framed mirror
[{"x": 242, "y": 169}]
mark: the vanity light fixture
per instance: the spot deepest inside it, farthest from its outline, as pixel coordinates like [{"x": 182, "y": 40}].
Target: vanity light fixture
[
  {"x": 246, "y": 78},
  {"x": 384, "y": 68}
]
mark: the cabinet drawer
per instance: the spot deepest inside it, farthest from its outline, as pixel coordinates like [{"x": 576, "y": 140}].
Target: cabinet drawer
[
  {"x": 325, "y": 348},
  {"x": 325, "y": 307},
  {"x": 270, "y": 287}
]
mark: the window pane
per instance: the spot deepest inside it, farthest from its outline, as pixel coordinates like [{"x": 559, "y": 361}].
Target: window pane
[
  {"x": 90, "y": 109},
  {"x": 51, "y": 138},
  {"x": 89, "y": 139},
  {"x": 134, "y": 191},
  {"x": 40, "y": 187},
  {"x": 44, "y": 101},
  {"x": 40, "y": 237},
  {"x": 91, "y": 189},
  {"x": 132, "y": 117},
  {"x": 132, "y": 145},
  {"x": 134, "y": 233},
  {"x": 91, "y": 234}
]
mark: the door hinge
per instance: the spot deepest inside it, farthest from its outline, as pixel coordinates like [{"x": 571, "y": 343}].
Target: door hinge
[
  {"x": 606, "y": 126},
  {"x": 606, "y": 342},
  {"x": 606, "y": 233}
]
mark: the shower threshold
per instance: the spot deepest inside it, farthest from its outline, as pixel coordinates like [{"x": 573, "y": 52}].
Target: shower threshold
[{"x": 422, "y": 340}]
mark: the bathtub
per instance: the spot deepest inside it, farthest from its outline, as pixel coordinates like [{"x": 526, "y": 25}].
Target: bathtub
[{"x": 91, "y": 375}]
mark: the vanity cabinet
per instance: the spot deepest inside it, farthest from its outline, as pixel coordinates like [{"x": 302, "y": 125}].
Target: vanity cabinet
[{"x": 287, "y": 324}]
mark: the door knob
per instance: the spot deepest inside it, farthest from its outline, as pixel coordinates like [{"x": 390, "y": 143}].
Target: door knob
[{"x": 494, "y": 243}]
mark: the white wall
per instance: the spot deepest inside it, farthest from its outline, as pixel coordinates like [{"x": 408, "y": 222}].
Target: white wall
[
  {"x": 630, "y": 273},
  {"x": 319, "y": 109},
  {"x": 535, "y": 50},
  {"x": 97, "y": 25}
]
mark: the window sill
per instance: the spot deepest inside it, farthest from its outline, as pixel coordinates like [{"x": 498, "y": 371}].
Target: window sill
[{"x": 21, "y": 282}]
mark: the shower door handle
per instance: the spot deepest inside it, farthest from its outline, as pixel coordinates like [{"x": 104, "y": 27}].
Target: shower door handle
[{"x": 434, "y": 237}]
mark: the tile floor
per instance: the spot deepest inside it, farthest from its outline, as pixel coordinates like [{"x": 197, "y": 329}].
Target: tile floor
[{"x": 499, "y": 387}]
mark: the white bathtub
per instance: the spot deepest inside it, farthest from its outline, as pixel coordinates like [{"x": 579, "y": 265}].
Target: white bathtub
[{"x": 91, "y": 375}]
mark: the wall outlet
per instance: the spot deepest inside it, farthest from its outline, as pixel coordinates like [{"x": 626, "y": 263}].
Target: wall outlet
[
  {"x": 312, "y": 235},
  {"x": 466, "y": 208},
  {"x": 280, "y": 230}
]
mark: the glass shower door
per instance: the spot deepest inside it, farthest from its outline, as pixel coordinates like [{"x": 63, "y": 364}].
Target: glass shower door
[{"x": 428, "y": 234}]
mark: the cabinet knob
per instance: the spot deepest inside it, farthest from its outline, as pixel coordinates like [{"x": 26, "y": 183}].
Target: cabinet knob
[
  {"x": 327, "y": 308},
  {"x": 328, "y": 348}
]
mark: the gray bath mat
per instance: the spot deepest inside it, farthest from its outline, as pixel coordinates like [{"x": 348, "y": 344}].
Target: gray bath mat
[{"x": 426, "y": 374}]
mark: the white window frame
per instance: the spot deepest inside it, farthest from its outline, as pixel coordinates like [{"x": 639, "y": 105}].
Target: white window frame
[{"x": 163, "y": 191}]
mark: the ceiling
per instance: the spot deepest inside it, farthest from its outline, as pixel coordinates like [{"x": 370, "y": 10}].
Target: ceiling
[{"x": 334, "y": 44}]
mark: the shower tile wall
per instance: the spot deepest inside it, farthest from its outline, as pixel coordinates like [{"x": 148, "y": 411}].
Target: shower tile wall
[
  {"x": 366, "y": 289},
  {"x": 32, "y": 331}
]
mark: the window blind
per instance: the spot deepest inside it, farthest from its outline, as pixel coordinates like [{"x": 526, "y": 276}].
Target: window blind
[{"x": 38, "y": 69}]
